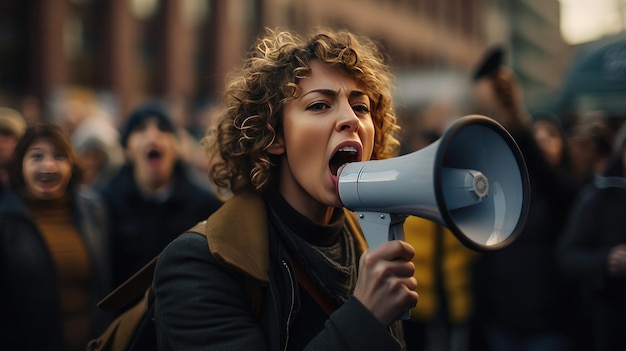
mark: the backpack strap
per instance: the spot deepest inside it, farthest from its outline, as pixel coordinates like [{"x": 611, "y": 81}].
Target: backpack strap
[
  {"x": 119, "y": 334},
  {"x": 131, "y": 290}
]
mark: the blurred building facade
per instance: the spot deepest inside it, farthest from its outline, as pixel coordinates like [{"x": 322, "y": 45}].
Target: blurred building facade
[{"x": 125, "y": 51}]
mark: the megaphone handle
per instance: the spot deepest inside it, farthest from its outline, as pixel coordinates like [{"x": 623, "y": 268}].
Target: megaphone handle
[
  {"x": 396, "y": 232},
  {"x": 379, "y": 228}
]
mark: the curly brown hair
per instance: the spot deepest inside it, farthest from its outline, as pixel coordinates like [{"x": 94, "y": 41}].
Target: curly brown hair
[{"x": 238, "y": 142}]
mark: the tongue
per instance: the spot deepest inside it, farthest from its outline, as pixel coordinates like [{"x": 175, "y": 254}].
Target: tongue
[{"x": 340, "y": 169}]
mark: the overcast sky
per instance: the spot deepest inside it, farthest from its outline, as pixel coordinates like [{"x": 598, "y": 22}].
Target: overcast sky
[{"x": 586, "y": 20}]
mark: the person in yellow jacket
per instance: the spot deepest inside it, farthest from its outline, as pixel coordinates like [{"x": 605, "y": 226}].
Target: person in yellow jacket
[{"x": 443, "y": 269}]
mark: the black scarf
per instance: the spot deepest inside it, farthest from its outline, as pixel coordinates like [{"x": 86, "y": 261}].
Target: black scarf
[{"x": 326, "y": 252}]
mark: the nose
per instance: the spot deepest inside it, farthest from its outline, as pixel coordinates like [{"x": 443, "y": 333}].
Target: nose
[
  {"x": 49, "y": 164},
  {"x": 348, "y": 120},
  {"x": 153, "y": 131}
]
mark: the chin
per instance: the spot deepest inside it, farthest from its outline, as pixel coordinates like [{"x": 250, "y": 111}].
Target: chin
[{"x": 334, "y": 201}]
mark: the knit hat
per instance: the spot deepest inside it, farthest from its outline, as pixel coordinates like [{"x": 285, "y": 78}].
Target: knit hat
[
  {"x": 142, "y": 113},
  {"x": 12, "y": 122}
]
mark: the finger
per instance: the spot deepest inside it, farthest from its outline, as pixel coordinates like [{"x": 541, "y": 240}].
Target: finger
[
  {"x": 411, "y": 283},
  {"x": 394, "y": 250},
  {"x": 402, "y": 268},
  {"x": 407, "y": 294},
  {"x": 400, "y": 286}
]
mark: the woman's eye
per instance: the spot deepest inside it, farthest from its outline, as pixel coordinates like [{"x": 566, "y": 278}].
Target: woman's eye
[
  {"x": 36, "y": 156},
  {"x": 317, "y": 106},
  {"x": 361, "y": 108},
  {"x": 60, "y": 157}
]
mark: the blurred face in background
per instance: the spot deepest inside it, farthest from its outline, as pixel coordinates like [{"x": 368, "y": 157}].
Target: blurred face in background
[
  {"x": 8, "y": 140},
  {"x": 93, "y": 161},
  {"x": 152, "y": 149},
  {"x": 47, "y": 171}
]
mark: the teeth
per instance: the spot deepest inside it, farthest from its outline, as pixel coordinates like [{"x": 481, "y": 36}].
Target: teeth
[
  {"x": 47, "y": 177},
  {"x": 348, "y": 149}
]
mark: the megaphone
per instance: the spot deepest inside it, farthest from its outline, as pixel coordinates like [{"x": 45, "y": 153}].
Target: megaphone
[{"x": 473, "y": 180}]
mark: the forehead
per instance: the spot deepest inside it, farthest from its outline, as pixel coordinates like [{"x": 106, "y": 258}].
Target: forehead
[
  {"x": 148, "y": 123},
  {"x": 152, "y": 119},
  {"x": 329, "y": 77},
  {"x": 42, "y": 143},
  {"x": 47, "y": 145}
]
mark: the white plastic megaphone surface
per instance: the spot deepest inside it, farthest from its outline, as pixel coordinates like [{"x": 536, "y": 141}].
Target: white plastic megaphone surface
[{"x": 473, "y": 180}]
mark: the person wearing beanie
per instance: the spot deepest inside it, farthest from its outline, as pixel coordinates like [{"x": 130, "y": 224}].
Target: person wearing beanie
[
  {"x": 12, "y": 127},
  {"x": 153, "y": 197}
]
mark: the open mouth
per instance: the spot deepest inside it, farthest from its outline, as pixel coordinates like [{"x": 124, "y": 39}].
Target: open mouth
[
  {"x": 344, "y": 155},
  {"x": 47, "y": 178},
  {"x": 154, "y": 155}
]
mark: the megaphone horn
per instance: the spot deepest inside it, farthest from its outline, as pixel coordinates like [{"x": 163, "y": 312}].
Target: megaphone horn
[{"x": 473, "y": 180}]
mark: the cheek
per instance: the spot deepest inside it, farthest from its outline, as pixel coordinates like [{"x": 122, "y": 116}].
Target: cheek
[
  {"x": 557, "y": 146},
  {"x": 367, "y": 138},
  {"x": 27, "y": 169},
  {"x": 303, "y": 134},
  {"x": 66, "y": 171},
  {"x": 176, "y": 149},
  {"x": 131, "y": 152}
]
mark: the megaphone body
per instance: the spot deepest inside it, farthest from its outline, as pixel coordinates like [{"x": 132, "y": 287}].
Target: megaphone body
[{"x": 473, "y": 180}]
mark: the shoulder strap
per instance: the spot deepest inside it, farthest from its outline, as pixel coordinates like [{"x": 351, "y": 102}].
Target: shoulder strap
[
  {"x": 121, "y": 331},
  {"x": 130, "y": 290},
  {"x": 305, "y": 281}
]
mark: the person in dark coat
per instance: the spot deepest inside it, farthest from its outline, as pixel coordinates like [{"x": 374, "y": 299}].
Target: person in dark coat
[
  {"x": 153, "y": 198},
  {"x": 54, "y": 260},
  {"x": 592, "y": 250},
  {"x": 301, "y": 108},
  {"x": 523, "y": 302}
]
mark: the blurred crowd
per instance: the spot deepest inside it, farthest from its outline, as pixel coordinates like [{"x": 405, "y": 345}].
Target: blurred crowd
[
  {"x": 88, "y": 200},
  {"x": 141, "y": 179},
  {"x": 561, "y": 284}
]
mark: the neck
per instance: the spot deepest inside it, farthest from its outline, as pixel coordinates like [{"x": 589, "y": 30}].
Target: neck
[
  {"x": 329, "y": 214},
  {"x": 154, "y": 189}
]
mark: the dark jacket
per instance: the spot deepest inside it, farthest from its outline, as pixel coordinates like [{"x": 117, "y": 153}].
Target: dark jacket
[
  {"x": 29, "y": 291},
  {"x": 597, "y": 223},
  {"x": 141, "y": 228},
  {"x": 200, "y": 297}
]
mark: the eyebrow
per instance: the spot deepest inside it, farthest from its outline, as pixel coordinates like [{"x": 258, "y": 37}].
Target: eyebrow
[{"x": 330, "y": 92}]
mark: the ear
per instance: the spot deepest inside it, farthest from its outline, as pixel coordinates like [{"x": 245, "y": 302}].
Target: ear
[{"x": 278, "y": 146}]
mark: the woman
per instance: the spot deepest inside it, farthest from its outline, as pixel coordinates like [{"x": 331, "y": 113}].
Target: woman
[
  {"x": 53, "y": 263},
  {"x": 298, "y": 110}
]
